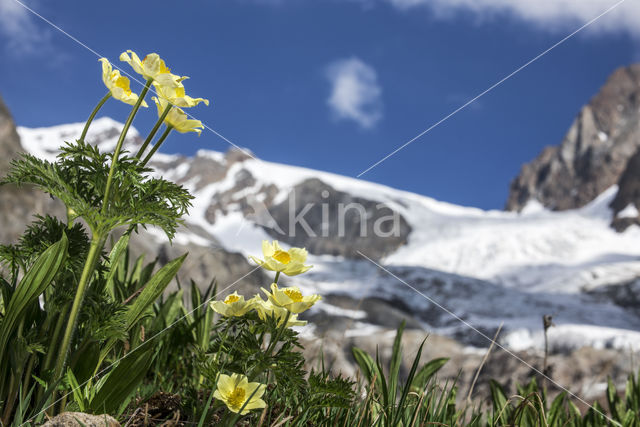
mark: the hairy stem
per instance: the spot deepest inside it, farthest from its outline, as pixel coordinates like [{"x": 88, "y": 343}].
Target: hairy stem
[
  {"x": 94, "y": 253},
  {"x": 153, "y": 131},
  {"x": 123, "y": 134},
  {"x": 93, "y": 115},
  {"x": 157, "y": 145}
]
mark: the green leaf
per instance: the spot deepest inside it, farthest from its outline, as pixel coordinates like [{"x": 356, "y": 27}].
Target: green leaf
[
  {"x": 118, "y": 250},
  {"x": 122, "y": 381},
  {"x": 501, "y": 407},
  {"x": 152, "y": 290},
  {"x": 367, "y": 366},
  {"x": 76, "y": 391},
  {"x": 407, "y": 386},
  {"x": 396, "y": 362},
  {"x": 87, "y": 362},
  {"x": 426, "y": 372},
  {"x": 556, "y": 412},
  {"x": 34, "y": 282},
  {"x": 612, "y": 399}
]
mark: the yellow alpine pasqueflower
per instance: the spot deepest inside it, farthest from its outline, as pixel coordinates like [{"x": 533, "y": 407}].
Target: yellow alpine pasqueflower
[
  {"x": 290, "y": 298},
  {"x": 177, "y": 96},
  {"x": 236, "y": 391},
  {"x": 151, "y": 67},
  {"x": 178, "y": 119},
  {"x": 118, "y": 85},
  {"x": 266, "y": 309},
  {"x": 233, "y": 305},
  {"x": 289, "y": 262}
]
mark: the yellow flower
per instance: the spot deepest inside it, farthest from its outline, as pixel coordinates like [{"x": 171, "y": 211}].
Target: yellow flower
[
  {"x": 151, "y": 67},
  {"x": 266, "y": 309},
  {"x": 236, "y": 391},
  {"x": 233, "y": 305},
  {"x": 176, "y": 96},
  {"x": 118, "y": 85},
  {"x": 289, "y": 262},
  {"x": 178, "y": 119},
  {"x": 290, "y": 298}
]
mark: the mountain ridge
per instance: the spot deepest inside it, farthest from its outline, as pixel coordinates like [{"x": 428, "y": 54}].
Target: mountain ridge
[
  {"x": 593, "y": 155},
  {"x": 547, "y": 260}
]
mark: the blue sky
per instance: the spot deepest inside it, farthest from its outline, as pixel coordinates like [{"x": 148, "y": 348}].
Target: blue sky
[{"x": 336, "y": 85}]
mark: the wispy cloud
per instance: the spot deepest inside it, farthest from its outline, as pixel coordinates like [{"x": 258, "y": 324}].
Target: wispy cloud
[
  {"x": 547, "y": 14},
  {"x": 18, "y": 28},
  {"x": 355, "y": 92}
]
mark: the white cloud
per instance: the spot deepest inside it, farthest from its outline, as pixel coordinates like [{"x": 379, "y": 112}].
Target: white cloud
[
  {"x": 19, "y": 28},
  {"x": 548, "y": 14},
  {"x": 355, "y": 92}
]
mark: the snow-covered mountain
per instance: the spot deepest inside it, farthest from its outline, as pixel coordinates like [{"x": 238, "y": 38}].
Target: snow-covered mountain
[{"x": 449, "y": 269}]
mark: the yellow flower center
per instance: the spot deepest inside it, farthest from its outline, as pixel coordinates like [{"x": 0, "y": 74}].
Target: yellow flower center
[
  {"x": 164, "y": 68},
  {"x": 282, "y": 256},
  {"x": 294, "y": 294},
  {"x": 231, "y": 299},
  {"x": 123, "y": 83},
  {"x": 236, "y": 398}
]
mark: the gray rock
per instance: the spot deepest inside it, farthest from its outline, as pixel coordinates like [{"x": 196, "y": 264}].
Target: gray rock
[
  {"x": 337, "y": 223},
  {"x": 9, "y": 139},
  {"x": 230, "y": 270},
  {"x": 593, "y": 154},
  {"x": 17, "y": 206},
  {"x": 628, "y": 194},
  {"x": 80, "y": 419}
]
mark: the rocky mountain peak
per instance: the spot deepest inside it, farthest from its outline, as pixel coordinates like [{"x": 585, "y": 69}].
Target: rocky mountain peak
[
  {"x": 593, "y": 154},
  {"x": 9, "y": 139}
]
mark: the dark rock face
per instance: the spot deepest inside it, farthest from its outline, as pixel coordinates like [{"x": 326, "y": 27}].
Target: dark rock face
[
  {"x": 628, "y": 194},
  {"x": 9, "y": 139},
  {"x": 230, "y": 270},
  {"x": 594, "y": 153},
  {"x": 326, "y": 221},
  {"x": 17, "y": 205}
]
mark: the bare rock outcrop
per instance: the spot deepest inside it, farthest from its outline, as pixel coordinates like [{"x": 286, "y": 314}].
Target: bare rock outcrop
[
  {"x": 17, "y": 206},
  {"x": 625, "y": 204},
  {"x": 80, "y": 419},
  {"x": 332, "y": 222},
  {"x": 594, "y": 153}
]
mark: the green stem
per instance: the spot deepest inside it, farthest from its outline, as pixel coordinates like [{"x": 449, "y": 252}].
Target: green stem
[
  {"x": 153, "y": 131},
  {"x": 53, "y": 345},
  {"x": 157, "y": 145},
  {"x": 8, "y": 408},
  {"x": 123, "y": 134},
  {"x": 277, "y": 277},
  {"x": 279, "y": 332},
  {"x": 89, "y": 265},
  {"x": 273, "y": 341},
  {"x": 93, "y": 115}
]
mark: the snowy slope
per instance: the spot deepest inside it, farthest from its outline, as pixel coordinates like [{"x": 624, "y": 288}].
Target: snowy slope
[
  {"x": 487, "y": 267},
  {"x": 537, "y": 250}
]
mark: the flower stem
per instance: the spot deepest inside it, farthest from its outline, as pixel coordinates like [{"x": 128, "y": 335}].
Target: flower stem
[
  {"x": 93, "y": 115},
  {"x": 277, "y": 277},
  {"x": 94, "y": 253},
  {"x": 157, "y": 145},
  {"x": 123, "y": 134},
  {"x": 153, "y": 131}
]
